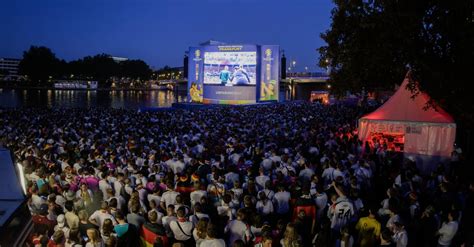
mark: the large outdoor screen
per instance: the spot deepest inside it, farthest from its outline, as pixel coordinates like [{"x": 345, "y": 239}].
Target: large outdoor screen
[
  {"x": 233, "y": 74},
  {"x": 230, "y": 68}
]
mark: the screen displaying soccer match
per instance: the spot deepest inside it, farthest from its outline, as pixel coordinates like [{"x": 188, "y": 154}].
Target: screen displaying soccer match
[
  {"x": 233, "y": 74},
  {"x": 230, "y": 68}
]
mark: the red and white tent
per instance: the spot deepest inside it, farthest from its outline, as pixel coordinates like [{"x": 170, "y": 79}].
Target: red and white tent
[{"x": 429, "y": 131}]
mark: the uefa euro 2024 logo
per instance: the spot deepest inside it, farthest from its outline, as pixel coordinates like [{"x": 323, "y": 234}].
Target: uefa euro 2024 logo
[
  {"x": 268, "y": 55},
  {"x": 197, "y": 55}
]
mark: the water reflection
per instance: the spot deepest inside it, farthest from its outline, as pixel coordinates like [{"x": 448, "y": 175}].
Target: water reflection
[{"x": 84, "y": 99}]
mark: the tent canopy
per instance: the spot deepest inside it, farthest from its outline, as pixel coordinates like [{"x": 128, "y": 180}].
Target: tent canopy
[
  {"x": 403, "y": 107},
  {"x": 427, "y": 131}
]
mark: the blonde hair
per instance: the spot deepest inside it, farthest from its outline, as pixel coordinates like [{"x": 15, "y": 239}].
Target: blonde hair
[
  {"x": 93, "y": 234},
  {"x": 201, "y": 228},
  {"x": 290, "y": 237}
]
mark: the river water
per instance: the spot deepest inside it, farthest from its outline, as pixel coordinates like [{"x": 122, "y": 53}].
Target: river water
[{"x": 84, "y": 99}]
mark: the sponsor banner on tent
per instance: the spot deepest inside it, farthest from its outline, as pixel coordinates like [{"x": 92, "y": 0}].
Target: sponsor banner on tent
[{"x": 389, "y": 128}]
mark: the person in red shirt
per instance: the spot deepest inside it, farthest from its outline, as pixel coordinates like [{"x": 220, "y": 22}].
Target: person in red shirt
[{"x": 41, "y": 221}]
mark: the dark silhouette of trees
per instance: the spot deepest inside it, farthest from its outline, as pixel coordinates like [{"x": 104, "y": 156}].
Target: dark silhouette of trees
[
  {"x": 39, "y": 63},
  {"x": 135, "y": 69}
]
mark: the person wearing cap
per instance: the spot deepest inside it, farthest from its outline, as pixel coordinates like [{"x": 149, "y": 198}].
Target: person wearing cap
[{"x": 61, "y": 225}]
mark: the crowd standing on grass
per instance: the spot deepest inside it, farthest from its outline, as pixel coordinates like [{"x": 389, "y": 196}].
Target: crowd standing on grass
[{"x": 289, "y": 175}]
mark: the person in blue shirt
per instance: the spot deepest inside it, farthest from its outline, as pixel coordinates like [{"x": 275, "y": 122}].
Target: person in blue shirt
[{"x": 224, "y": 75}]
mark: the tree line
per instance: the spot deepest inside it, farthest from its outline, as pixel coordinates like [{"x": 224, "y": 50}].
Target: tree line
[{"x": 40, "y": 65}]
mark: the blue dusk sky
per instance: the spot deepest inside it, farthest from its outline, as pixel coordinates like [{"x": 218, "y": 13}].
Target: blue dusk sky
[{"x": 160, "y": 31}]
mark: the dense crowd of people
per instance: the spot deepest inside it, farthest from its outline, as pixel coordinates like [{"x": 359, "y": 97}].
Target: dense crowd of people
[{"x": 289, "y": 175}]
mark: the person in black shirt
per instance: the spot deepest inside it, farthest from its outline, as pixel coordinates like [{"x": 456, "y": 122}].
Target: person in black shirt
[{"x": 84, "y": 223}]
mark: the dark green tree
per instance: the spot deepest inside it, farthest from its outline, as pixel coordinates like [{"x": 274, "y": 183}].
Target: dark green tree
[
  {"x": 135, "y": 69},
  {"x": 39, "y": 63}
]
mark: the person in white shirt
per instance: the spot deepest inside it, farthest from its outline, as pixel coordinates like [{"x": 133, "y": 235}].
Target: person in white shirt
[
  {"x": 231, "y": 177},
  {"x": 120, "y": 200},
  {"x": 159, "y": 215},
  {"x": 237, "y": 229},
  {"x": 267, "y": 163},
  {"x": 225, "y": 209},
  {"x": 448, "y": 230},
  {"x": 237, "y": 190},
  {"x": 36, "y": 200},
  {"x": 155, "y": 196},
  {"x": 268, "y": 190},
  {"x": 306, "y": 174},
  {"x": 62, "y": 225},
  {"x": 328, "y": 174},
  {"x": 391, "y": 221},
  {"x": 321, "y": 200},
  {"x": 400, "y": 236},
  {"x": 169, "y": 197},
  {"x": 99, "y": 216},
  {"x": 118, "y": 184},
  {"x": 198, "y": 214},
  {"x": 104, "y": 185},
  {"x": 166, "y": 220},
  {"x": 264, "y": 205},
  {"x": 182, "y": 229},
  {"x": 261, "y": 179},
  {"x": 343, "y": 209},
  {"x": 281, "y": 201},
  {"x": 197, "y": 194},
  {"x": 211, "y": 239},
  {"x": 176, "y": 165}
]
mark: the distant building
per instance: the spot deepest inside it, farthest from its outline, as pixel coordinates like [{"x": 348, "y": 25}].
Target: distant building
[
  {"x": 170, "y": 73},
  {"x": 9, "y": 67},
  {"x": 119, "y": 59}
]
